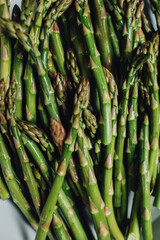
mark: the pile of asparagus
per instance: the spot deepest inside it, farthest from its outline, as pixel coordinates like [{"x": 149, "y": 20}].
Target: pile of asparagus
[{"x": 80, "y": 116}]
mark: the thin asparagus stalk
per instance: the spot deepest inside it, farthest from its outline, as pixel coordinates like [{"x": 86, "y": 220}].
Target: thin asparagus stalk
[
  {"x": 145, "y": 181},
  {"x": 57, "y": 49},
  {"x": 102, "y": 33},
  {"x": 81, "y": 101},
  {"x": 114, "y": 38},
  {"x": 5, "y": 49},
  {"x": 132, "y": 128},
  {"x": 59, "y": 227},
  {"x": 105, "y": 122},
  {"x": 56, "y": 43},
  {"x": 127, "y": 35},
  {"x": 96, "y": 203},
  {"x": 154, "y": 109}
]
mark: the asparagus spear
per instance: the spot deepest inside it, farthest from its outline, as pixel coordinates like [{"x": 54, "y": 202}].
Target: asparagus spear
[
  {"x": 116, "y": 13},
  {"x": 105, "y": 122},
  {"x": 100, "y": 25},
  {"x": 5, "y": 48},
  {"x": 96, "y": 203},
  {"x": 154, "y": 108},
  {"x": 59, "y": 227},
  {"x": 81, "y": 102},
  {"x": 145, "y": 180}
]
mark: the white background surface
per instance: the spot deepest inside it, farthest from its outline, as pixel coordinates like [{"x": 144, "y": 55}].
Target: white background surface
[{"x": 13, "y": 225}]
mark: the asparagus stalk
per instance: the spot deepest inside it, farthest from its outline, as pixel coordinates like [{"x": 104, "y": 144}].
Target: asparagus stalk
[
  {"x": 57, "y": 49},
  {"x": 5, "y": 49},
  {"x": 154, "y": 109},
  {"x": 145, "y": 181},
  {"x": 59, "y": 227},
  {"x": 116, "y": 13},
  {"x": 102, "y": 33},
  {"x": 132, "y": 128},
  {"x": 81, "y": 101},
  {"x": 114, "y": 38},
  {"x": 96, "y": 203},
  {"x": 105, "y": 122}
]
